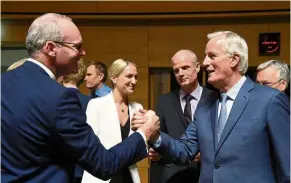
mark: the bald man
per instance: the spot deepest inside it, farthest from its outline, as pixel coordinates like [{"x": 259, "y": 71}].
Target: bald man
[{"x": 176, "y": 112}]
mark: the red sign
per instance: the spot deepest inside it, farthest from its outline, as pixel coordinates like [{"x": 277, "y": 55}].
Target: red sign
[{"x": 269, "y": 44}]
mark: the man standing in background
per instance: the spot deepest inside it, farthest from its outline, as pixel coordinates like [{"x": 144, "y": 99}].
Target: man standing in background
[
  {"x": 273, "y": 73},
  {"x": 175, "y": 110},
  {"x": 95, "y": 79}
]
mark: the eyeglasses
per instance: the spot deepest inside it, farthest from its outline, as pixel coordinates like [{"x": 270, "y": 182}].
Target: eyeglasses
[
  {"x": 270, "y": 84},
  {"x": 75, "y": 46}
]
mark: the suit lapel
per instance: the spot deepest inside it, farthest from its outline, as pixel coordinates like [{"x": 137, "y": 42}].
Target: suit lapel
[
  {"x": 177, "y": 106},
  {"x": 238, "y": 108}
]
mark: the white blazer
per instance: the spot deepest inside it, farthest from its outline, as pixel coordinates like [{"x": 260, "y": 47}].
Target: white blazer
[{"x": 102, "y": 116}]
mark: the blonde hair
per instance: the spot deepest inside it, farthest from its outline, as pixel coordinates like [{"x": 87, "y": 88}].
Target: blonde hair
[
  {"x": 16, "y": 64},
  {"x": 118, "y": 66},
  {"x": 76, "y": 78}
]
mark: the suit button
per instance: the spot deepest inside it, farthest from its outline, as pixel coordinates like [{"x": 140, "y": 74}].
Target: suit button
[{"x": 217, "y": 166}]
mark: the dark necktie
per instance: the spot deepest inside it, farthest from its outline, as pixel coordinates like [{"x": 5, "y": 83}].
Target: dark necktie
[{"x": 187, "y": 109}]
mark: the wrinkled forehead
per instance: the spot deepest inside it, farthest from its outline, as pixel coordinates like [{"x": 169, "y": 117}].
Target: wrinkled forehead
[
  {"x": 179, "y": 63},
  {"x": 216, "y": 44},
  {"x": 270, "y": 72}
]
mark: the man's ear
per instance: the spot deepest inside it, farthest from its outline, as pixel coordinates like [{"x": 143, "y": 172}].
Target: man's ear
[
  {"x": 197, "y": 67},
  {"x": 50, "y": 48},
  {"x": 101, "y": 76},
  {"x": 235, "y": 59},
  {"x": 283, "y": 85}
]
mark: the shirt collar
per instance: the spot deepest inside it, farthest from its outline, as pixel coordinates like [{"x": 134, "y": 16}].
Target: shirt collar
[
  {"x": 68, "y": 85},
  {"x": 103, "y": 90},
  {"x": 233, "y": 92},
  {"x": 196, "y": 93},
  {"x": 49, "y": 72}
]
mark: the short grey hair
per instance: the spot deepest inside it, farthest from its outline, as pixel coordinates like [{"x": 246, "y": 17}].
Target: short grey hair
[
  {"x": 235, "y": 44},
  {"x": 280, "y": 66},
  {"x": 44, "y": 28}
]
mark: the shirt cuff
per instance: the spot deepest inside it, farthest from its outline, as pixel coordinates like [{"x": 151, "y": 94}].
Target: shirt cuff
[
  {"x": 158, "y": 142},
  {"x": 144, "y": 138}
]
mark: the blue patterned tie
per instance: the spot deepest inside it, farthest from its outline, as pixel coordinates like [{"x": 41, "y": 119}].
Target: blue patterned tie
[{"x": 222, "y": 117}]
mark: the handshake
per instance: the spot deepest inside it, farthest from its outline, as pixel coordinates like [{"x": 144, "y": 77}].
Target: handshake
[{"x": 147, "y": 122}]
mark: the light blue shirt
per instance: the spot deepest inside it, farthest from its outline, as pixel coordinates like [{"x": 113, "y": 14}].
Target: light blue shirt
[
  {"x": 101, "y": 92},
  {"x": 232, "y": 93}
]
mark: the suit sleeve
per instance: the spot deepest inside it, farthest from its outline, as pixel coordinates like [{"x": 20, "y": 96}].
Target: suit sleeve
[
  {"x": 180, "y": 151},
  {"x": 279, "y": 130},
  {"x": 76, "y": 140}
]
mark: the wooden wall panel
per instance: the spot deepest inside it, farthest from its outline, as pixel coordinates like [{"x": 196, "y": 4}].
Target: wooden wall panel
[
  {"x": 144, "y": 175},
  {"x": 108, "y": 43},
  {"x": 48, "y": 6},
  {"x": 187, "y": 6},
  {"x": 141, "y": 92},
  {"x": 284, "y": 29},
  {"x": 138, "y": 7},
  {"x": 164, "y": 41},
  {"x": 13, "y": 34}
]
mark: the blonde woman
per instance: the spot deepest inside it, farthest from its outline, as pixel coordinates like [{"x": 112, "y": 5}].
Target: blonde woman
[{"x": 110, "y": 116}]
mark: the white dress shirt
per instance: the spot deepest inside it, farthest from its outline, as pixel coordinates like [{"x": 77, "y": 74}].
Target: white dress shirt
[
  {"x": 49, "y": 72},
  {"x": 194, "y": 102},
  {"x": 232, "y": 93}
]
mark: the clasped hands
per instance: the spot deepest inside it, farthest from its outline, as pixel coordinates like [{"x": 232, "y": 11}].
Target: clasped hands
[{"x": 147, "y": 122}]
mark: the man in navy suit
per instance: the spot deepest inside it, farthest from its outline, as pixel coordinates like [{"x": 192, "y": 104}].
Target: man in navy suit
[
  {"x": 43, "y": 128},
  {"x": 244, "y": 135}
]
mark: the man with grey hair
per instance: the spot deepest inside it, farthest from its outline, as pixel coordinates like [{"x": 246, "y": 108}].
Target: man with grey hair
[
  {"x": 273, "y": 73},
  {"x": 176, "y": 110},
  {"x": 43, "y": 129},
  {"x": 243, "y": 135}
]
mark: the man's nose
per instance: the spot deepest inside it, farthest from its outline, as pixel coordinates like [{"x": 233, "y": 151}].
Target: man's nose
[
  {"x": 205, "y": 61},
  {"x": 82, "y": 52},
  {"x": 133, "y": 81}
]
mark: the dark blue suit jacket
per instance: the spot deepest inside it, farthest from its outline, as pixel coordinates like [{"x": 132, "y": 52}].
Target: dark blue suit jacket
[
  {"x": 255, "y": 140},
  {"x": 44, "y": 132},
  {"x": 84, "y": 100}
]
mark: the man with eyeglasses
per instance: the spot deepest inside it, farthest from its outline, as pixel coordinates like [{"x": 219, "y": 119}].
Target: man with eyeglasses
[
  {"x": 273, "y": 73},
  {"x": 44, "y": 133}
]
